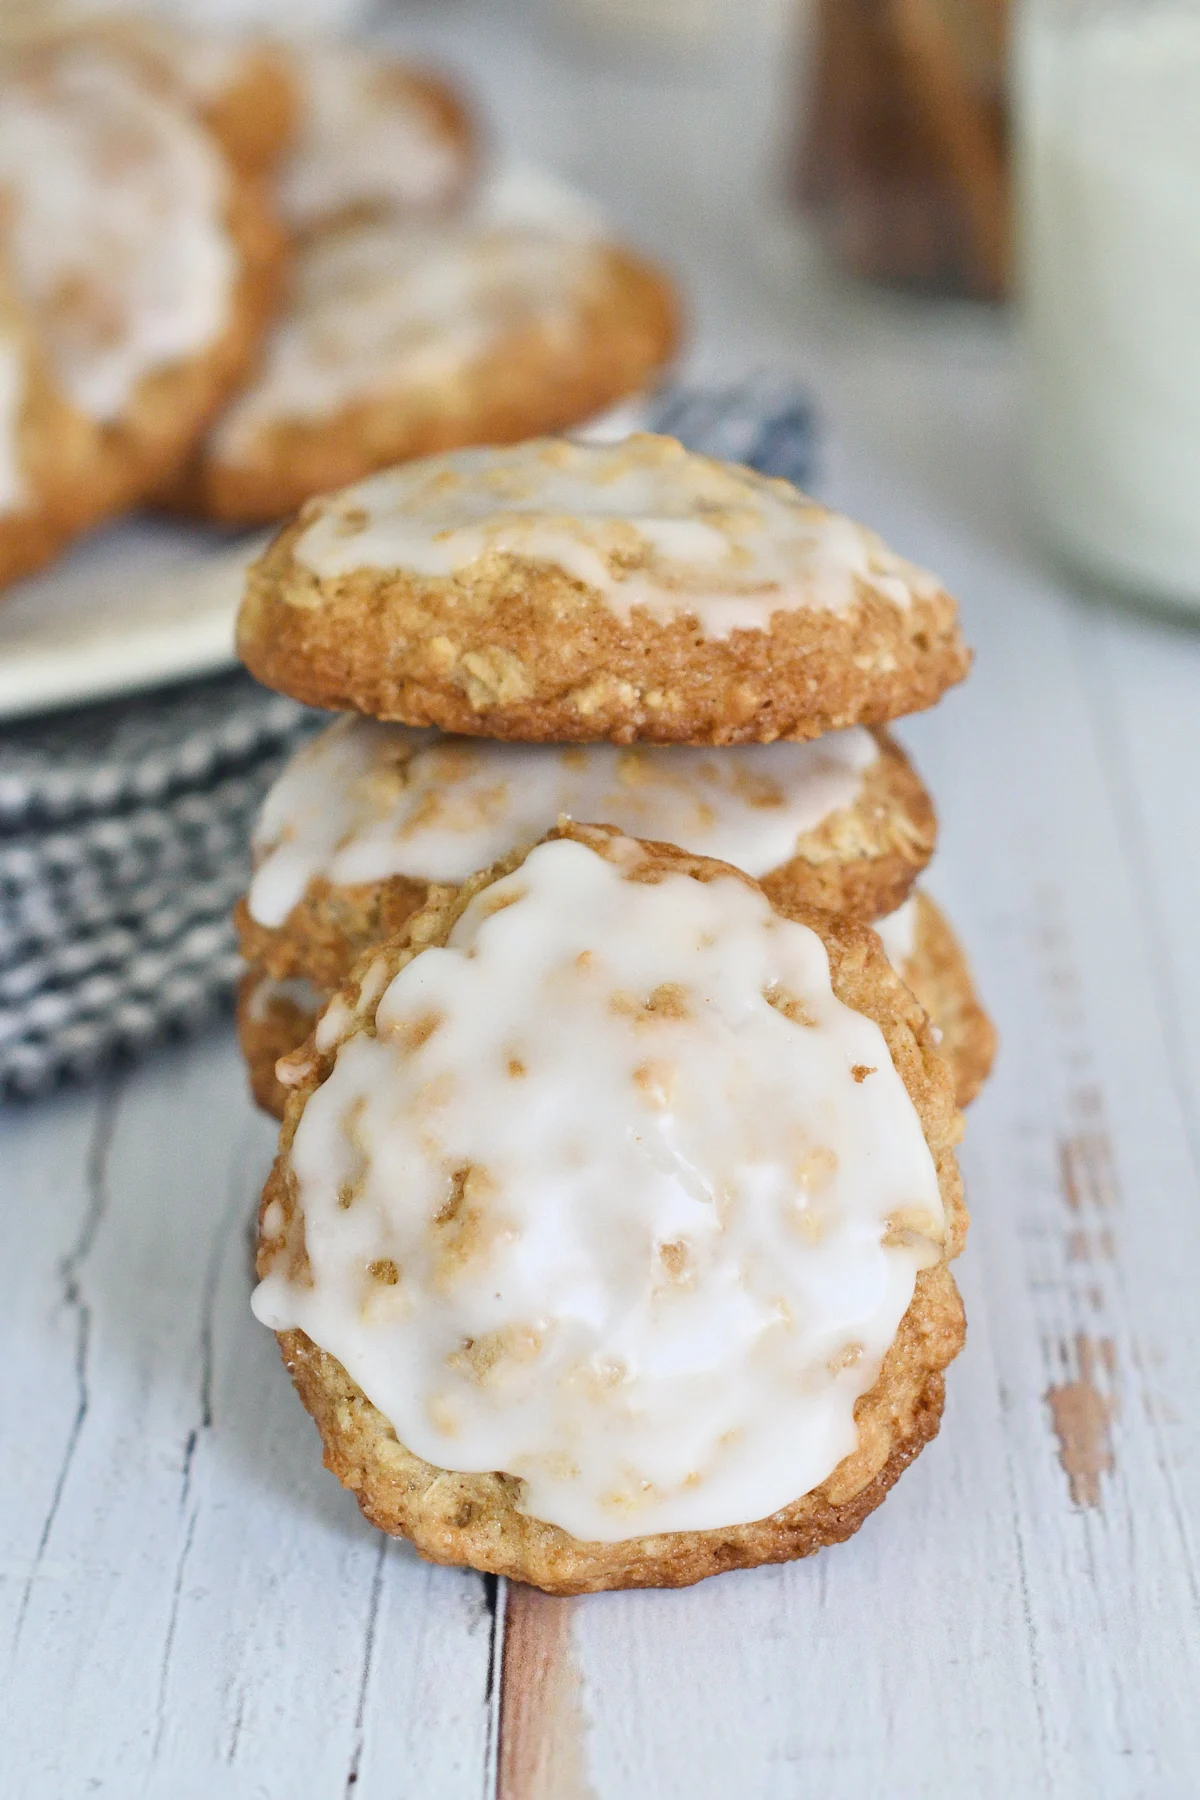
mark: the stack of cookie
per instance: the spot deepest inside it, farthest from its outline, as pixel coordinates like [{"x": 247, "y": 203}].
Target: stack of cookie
[
  {"x": 235, "y": 272},
  {"x": 608, "y": 1239}
]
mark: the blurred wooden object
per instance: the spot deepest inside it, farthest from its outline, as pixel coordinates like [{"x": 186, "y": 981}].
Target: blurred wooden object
[{"x": 905, "y": 154}]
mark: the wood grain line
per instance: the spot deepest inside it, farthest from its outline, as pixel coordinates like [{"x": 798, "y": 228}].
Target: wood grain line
[
  {"x": 542, "y": 1753},
  {"x": 70, "y": 1272},
  {"x": 368, "y": 1660}
]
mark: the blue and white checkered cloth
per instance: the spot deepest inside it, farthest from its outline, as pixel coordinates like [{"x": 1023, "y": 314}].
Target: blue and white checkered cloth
[{"x": 125, "y": 828}]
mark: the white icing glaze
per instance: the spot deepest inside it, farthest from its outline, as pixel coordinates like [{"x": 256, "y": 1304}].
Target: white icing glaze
[
  {"x": 366, "y": 800},
  {"x": 369, "y": 137},
  {"x": 898, "y": 934},
  {"x": 117, "y": 236},
  {"x": 590, "y": 1209},
  {"x": 13, "y": 489},
  {"x": 642, "y": 523},
  {"x": 381, "y": 306}
]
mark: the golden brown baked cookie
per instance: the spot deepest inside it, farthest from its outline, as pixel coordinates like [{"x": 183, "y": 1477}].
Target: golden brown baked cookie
[
  {"x": 49, "y": 454},
  {"x": 558, "y": 591},
  {"x": 273, "y": 1018},
  {"x": 478, "y": 1518},
  {"x": 373, "y": 135},
  {"x": 400, "y": 339},
  {"x": 148, "y": 267},
  {"x": 242, "y": 88},
  {"x": 367, "y": 814},
  {"x": 924, "y": 949}
]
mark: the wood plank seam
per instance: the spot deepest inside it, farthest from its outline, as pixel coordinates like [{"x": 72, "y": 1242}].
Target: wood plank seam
[{"x": 542, "y": 1749}]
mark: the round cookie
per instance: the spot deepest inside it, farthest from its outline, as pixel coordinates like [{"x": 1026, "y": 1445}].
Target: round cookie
[
  {"x": 373, "y": 134},
  {"x": 569, "y": 592},
  {"x": 48, "y": 453},
  {"x": 664, "y": 1288},
  {"x": 922, "y": 947},
  {"x": 365, "y": 816},
  {"x": 400, "y": 339},
  {"x": 148, "y": 267}
]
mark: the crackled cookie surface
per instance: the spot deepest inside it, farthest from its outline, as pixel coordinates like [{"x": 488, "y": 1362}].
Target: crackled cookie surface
[
  {"x": 559, "y": 590},
  {"x": 146, "y": 266},
  {"x": 404, "y": 338},
  {"x": 615, "y": 1199}
]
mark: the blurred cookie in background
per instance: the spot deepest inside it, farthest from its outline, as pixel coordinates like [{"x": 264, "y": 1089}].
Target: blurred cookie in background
[
  {"x": 49, "y": 453},
  {"x": 242, "y": 88},
  {"x": 372, "y": 134},
  {"x": 402, "y": 338},
  {"x": 148, "y": 266}
]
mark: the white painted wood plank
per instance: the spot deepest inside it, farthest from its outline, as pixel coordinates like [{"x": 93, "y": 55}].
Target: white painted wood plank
[
  {"x": 223, "y": 1613},
  {"x": 1145, "y": 681},
  {"x": 998, "y": 1628},
  {"x": 45, "y": 1212},
  {"x": 1005, "y": 1625}
]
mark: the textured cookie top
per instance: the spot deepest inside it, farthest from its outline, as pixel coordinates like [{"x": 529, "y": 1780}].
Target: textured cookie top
[
  {"x": 610, "y": 1192},
  {"x": 116, "y": 204},
  {"x": 644, "y": 523},
  {"x": 377, "y": 306},
  {"x": 366, "y": 801},
  {"x": 373, "y": 133}
]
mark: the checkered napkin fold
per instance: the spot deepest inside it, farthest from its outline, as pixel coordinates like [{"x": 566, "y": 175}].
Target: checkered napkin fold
[{"x": 125, "y": 828}]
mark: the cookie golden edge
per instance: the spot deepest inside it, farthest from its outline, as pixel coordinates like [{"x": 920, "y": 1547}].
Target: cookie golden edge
[
  {"x": 518, "y": 650},
  {"x": 255, "y": 117},
  {"x": 473, "y": 1520},
  {"x": 861, "y": 861},
  {"x": 526, "y": 387},
  {"x": 939, "y": 974}
]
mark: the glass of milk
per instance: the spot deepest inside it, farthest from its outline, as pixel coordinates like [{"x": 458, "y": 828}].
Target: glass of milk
[{"x": 1108, "y": 234}]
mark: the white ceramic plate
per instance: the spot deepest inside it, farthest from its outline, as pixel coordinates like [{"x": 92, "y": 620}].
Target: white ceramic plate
[
  {"x": 149, "y": 601},
  {"x": 138, "y": 605}
]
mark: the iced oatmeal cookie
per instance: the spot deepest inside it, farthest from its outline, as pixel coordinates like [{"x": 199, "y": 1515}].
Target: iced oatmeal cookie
[
  {"x": 148, "y": 266},
  {"x": 572, "y": 592},
  {"x": 608, "y": 1238}
]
